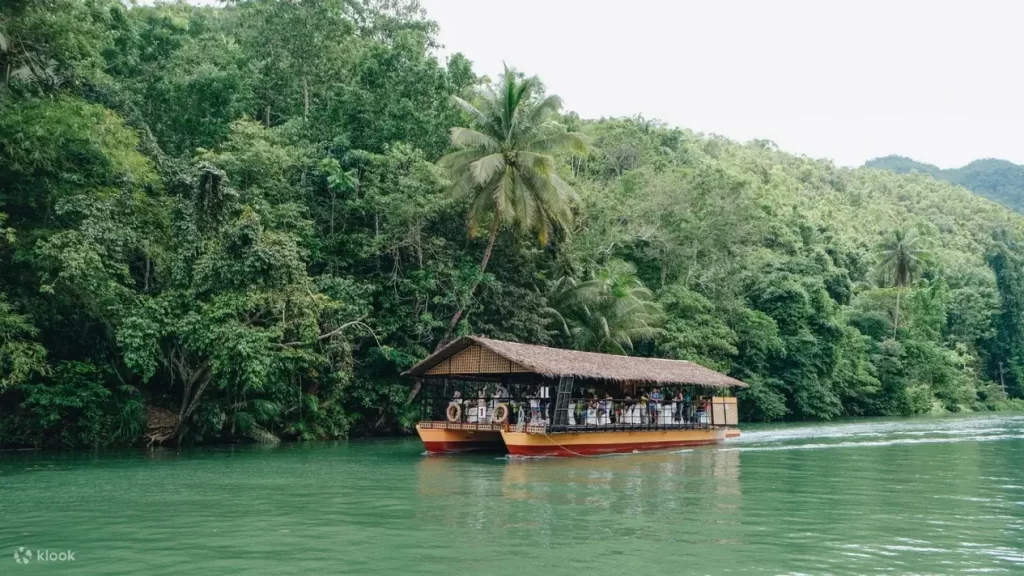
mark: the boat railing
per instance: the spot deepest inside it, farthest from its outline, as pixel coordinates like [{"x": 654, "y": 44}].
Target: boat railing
[{"x": 582, "y": 414}]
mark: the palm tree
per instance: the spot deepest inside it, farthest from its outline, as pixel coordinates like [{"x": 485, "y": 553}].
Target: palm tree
[
  {"x": 901, "y": 259},
  {"x": 504, "y": 166},
  {"x": 609, "y": 313}
]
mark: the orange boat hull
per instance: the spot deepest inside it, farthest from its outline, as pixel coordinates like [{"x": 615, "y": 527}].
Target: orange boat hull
[
  {"x": 593, "y": 443},
  {"x": 440, "y": 441}
]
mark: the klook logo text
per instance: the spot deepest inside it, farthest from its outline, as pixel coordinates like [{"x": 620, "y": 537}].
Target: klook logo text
[{"x": 25, "y": 555}]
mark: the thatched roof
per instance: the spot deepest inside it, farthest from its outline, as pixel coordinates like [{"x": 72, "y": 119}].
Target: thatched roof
[{"x": 554, "y": 362}]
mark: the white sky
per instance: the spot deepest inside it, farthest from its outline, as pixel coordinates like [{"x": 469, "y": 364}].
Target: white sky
[{"x": 938, "y": 81}]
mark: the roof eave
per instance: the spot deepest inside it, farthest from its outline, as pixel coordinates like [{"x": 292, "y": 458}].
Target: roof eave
[{"x": 451, "y": 349}]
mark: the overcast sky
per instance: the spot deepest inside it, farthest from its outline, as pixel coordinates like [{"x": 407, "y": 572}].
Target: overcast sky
[{"x": 938, "y": 81}]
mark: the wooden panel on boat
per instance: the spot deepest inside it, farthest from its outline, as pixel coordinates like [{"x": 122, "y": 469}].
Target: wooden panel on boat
[
  {"x": 517, "y": 368},
  {"x": 491, "y": 362},
  {"x": 476, "y": 360},
  {"x": 443, "y": 367},
  {"x": 724, "y": 412},
  {"x": 467, "y": 361}
]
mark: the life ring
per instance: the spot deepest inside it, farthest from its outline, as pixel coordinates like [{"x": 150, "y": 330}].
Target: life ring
[
  {"x": 455, "y": 412},
  {"x": 500, "y": 414}
]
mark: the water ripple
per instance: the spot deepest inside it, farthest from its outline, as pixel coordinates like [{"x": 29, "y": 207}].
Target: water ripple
[{"x": 922, "y": 496}]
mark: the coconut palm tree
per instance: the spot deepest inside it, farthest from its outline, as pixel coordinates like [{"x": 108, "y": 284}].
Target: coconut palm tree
[
  {"x": 610, "y": 313},
  {"x": 504, "y": 168},
  {"x": 901, "y": 259}
]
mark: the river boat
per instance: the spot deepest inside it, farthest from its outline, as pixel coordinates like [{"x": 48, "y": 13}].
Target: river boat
[{"x": 527, "y": 400}]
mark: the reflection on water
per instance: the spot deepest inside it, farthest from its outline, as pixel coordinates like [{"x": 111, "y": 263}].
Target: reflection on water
[
  {"x": 929, "y": 496},
  {"x": 607, "y": 480}
]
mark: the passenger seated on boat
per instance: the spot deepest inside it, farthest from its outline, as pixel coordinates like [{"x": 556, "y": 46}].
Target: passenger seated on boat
[
  {"x": 700, "y": 410},
  {"x": 592, "y": 411}
]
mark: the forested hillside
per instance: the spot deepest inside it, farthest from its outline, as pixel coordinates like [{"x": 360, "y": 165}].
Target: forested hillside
[
  {"x": 238, "y": 223},
  {"x": 997, "y": 180}
]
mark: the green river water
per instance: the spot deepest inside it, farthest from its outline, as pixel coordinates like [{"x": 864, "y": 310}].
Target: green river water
[{"x": 918, "y": 496}]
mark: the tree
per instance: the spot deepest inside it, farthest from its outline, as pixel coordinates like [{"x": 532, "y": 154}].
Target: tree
[
  {"x": 902, "y": 258},
  {"x": 1006, "y": 360},
  {"x": 200, "y": 206},
  {"x": 504, "y": 167},
  {"x": 20, "y": 356},
  {"x": 611, "y": 312}
]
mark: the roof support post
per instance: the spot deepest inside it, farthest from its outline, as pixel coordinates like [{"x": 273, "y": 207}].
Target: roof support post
[{"x": 561, "y": 416}]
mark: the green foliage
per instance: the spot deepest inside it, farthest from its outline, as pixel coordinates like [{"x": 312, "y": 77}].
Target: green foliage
[
  {"x": 695, "y": 329},
  {"x": 998, "y": 180},
  {"x": 76, "y": 409},
  {"x": 901, "y": 257},
  {"x": 20, "y": 356},
  {"x": 234, "y": 223},
  {"x": 611, "y": 312},
  {"x": 504, "y": 164}
]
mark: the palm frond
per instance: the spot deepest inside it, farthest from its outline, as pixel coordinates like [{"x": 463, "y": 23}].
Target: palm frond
[
  {"x": 610, "y": 312},
  {"x": 496, "y": 168},
  {"x": 502, "y": 194},
  {"x": 543, "y": 109},
  {"x": 484, "y": 169},
  {"x": 458, "y": 161},
  {"x": 475, "y": 114},
  {"x": 469, "y": 138},
  {"x": 574, "y": 142}
]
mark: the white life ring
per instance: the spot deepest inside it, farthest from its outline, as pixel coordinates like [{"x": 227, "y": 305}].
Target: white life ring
[
  {"x": 500, "y": 414},
  {"x": 455, "y": 412}
]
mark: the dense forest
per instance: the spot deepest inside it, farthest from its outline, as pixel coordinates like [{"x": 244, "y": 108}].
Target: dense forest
[
  {"x": 998, "y": 180},
  {"x": 244, "y": 222}
]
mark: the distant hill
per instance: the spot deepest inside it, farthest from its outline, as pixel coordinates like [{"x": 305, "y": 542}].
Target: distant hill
[{"x": 997, "y": 180}]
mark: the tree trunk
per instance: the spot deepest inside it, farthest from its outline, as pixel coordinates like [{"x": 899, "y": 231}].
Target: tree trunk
[
  {"x": 462, "y": 309},
  {"x": 483, "y": 266},
  {"x": 192, "y": 405},
  {"x": 896, "y": 320}
]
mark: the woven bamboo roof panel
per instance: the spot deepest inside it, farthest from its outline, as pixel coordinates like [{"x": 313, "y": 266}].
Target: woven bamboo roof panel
[{"x": 555, "y": 362}]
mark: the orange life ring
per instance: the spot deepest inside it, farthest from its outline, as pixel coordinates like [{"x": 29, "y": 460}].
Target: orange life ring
[
  {"x": 500, "y": 414},
  {"x": 455, "y": 412}
]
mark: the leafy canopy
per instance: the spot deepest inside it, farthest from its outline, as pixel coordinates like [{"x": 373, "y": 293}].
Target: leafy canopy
[{"x": 504, "y": 164}]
